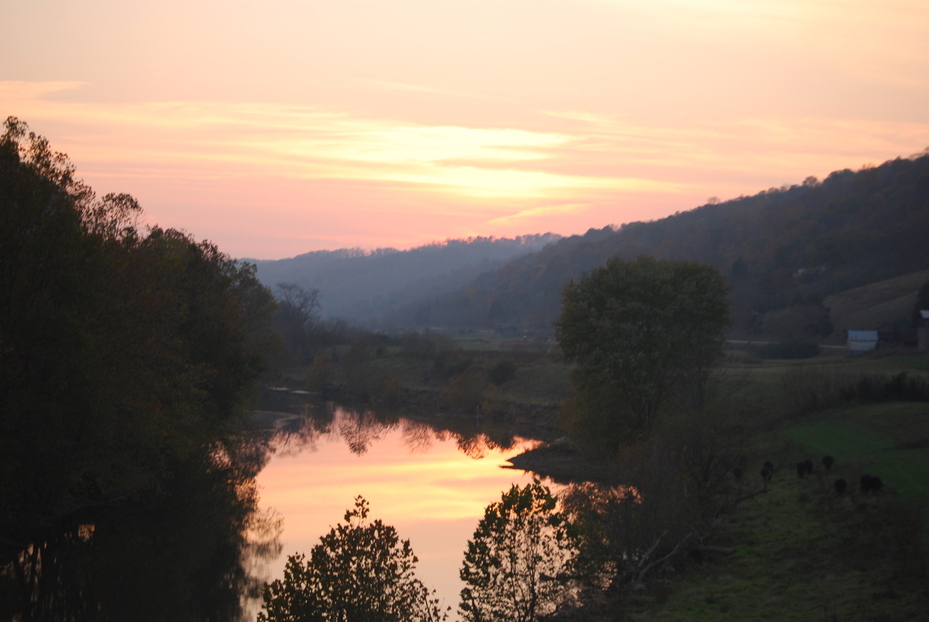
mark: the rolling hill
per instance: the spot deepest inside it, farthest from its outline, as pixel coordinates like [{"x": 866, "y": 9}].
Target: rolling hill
[
  {"x": 785, "y": 250},
  {"x": 364, "y": 286}
]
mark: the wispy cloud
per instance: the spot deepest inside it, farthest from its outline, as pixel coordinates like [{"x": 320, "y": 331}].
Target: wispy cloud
[
  {"x": 746, "y": 146},
  {"x": 582, "y": 151},
  {"x": 396, "y": 181},
  {"x": 419, "y": 88},
  {"x": 537, "y": 212},
  {"x": 232, "y": 139}
]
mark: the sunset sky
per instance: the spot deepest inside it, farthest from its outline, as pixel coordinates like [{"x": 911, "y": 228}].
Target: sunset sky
[{"x": 278, "y": 127}]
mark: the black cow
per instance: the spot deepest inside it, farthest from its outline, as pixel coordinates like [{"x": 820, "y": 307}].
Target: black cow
[
  {"x": 804, "y": 468},
  {"x": 828, "y": 461},
  {"x": 840, "y": 486},
  {"x": 766, "y": 474}
]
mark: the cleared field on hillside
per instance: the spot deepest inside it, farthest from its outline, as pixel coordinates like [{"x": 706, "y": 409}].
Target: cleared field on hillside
[{"x": 875, "y": 306}]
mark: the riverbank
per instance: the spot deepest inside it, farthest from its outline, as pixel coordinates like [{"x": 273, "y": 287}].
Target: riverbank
[{"x": 797, "y": 550}]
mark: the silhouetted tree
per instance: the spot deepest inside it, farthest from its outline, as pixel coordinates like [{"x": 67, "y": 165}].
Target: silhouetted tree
[
  {"x": 125, "y": 364},
  {"x": 518, "y": 563},
  {"x": 360, "y": 570},
  {"x": 297, "y": 319}
]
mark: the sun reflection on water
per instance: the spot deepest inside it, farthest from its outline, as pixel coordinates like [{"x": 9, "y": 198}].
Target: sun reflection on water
[{"x": 431, "y": 483}]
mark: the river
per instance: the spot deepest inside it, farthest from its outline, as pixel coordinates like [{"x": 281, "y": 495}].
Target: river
[{"x": 430, "y": 480}]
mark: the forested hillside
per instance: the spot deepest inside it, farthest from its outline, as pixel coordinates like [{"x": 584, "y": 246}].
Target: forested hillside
[
  {"x": 784, "y": 250},
  {"x": 362, "y": 286}
]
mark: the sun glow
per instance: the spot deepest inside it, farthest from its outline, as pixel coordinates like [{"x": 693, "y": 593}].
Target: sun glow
[{"x": 279, "y": 128}]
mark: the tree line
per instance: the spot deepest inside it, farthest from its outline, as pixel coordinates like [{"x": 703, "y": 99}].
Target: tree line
[
  {"x": 364, "y": 287},
  {"x": 127, "y": 361}
]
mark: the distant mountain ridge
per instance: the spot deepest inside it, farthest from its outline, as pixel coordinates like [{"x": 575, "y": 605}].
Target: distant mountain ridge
[
  {"x": 784, "y": 250},
  {"x": 364, "y": 287}
]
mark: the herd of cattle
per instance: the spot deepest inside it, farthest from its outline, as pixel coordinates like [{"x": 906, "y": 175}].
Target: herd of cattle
[{"x": 868, "y": 483}]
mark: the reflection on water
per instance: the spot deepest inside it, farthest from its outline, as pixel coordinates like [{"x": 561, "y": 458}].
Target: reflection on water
[
  {"x": 359, "y": 428},
  {"x": 198, "y": 546},
  {"x": 431, "y": 480},
  {"x": 192, "y": 549}
]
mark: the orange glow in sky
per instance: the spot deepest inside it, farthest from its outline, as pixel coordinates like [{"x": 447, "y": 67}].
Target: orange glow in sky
[{"x": 279, "y": 127}]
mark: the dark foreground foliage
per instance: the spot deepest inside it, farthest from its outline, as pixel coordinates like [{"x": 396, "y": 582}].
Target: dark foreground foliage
[
  {"x": 518, "y": 567},
  {"x": 360, "y": 570},
  {"x": 125, "y": 362}
]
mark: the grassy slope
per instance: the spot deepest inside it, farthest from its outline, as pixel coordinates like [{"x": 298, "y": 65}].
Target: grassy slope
[
  {"x": 876, "y": 305},
  {"x": 880, "y": 439},
  {"x": 802, "y": 552}
]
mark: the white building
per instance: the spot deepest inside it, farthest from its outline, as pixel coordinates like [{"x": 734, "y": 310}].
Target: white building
[{"x": 862, "y": 341}]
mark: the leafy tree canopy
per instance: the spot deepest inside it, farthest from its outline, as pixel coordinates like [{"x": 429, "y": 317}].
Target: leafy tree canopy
[
  {"x": 517, "y": 566},
  {"x": 126, "y": 359},
  {"x": 644, "y": 333},
  {"x": 360, "y": 570}
]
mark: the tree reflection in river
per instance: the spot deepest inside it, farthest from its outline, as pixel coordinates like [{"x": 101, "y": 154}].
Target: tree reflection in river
[
  {"x": 194, "y": 549},
  {"x": 359, "y": 427},
  {"x": 423, "y": 474}
]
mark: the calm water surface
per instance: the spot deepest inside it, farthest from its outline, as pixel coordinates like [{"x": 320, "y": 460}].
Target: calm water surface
[{"x": 432, "y": 484}]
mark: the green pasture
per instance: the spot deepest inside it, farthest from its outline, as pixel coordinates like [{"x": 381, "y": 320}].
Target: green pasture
[
  {"x": 771, "y": 385},
  {"x": 802, "y": 552},
  {"x": 889, "y": 440}
]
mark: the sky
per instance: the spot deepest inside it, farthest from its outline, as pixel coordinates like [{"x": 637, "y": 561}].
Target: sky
[{"x": 279, "y": 127}]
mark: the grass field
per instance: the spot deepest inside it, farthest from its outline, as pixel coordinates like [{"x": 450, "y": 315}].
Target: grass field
[
  {"x": 802, "y": 552},
  {"x": 772, "y": 387},
  {"x": 877, "y": 305},
  {"x": 888, "y": 440}
]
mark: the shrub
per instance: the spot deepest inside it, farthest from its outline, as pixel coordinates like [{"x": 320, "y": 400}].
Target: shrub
[
  {"x": 360, "y": 570},
  {"x": 501, "y": 372},
  {"x": 794, "y": 348}
]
